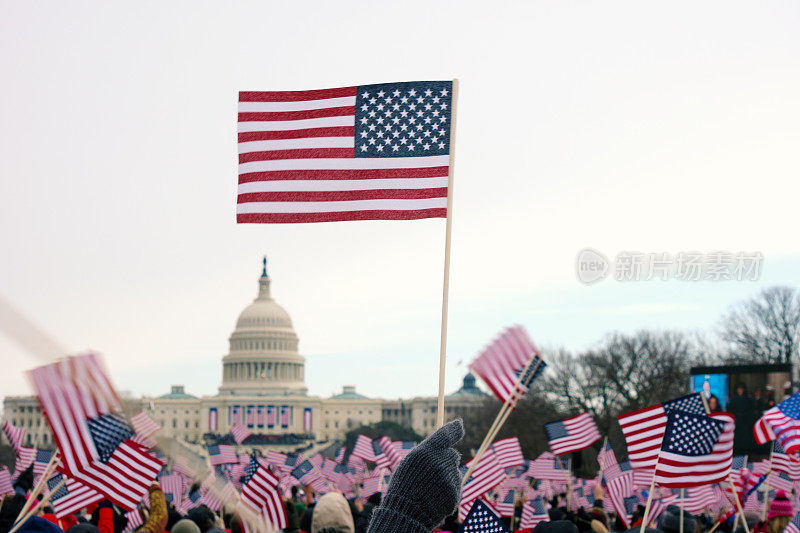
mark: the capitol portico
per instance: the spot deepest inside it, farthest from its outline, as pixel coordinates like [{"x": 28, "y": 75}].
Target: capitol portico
[{"x": 263, "y": 387}]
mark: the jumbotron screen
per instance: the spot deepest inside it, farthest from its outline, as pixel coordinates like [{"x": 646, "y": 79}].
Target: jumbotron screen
[{"x": 745, "y": 391}]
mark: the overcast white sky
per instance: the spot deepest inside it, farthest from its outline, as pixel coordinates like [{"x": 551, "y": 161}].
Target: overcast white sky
[{"x": 617, "y": 125}]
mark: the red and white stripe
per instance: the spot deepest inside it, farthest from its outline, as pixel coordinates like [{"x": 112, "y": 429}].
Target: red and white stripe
[
  {"x": 78, "y": 497},
  {"x": 239, "y": 433},
  {"x": 363, "y": 448},
  {"x": 499, "y": 365},
  {"x": 774, "y": 424},
  {"x": 644, "y": 430},
  {"x": 143, "y": 425},
  {"x": 297, "y": 164},
  {"x": 14, "y": 435},
  {"x": 261, "y": 495},
  {"x": 678, "y": 471},
  {"x": 509, "y": 452},
  {"x": 5, "y": 482},
  {"x": 134, "y": 520},
  {"x": 486, "y": 475},
  {"x": 582, "y": 432},
  {"x": 70, "y": 392}
]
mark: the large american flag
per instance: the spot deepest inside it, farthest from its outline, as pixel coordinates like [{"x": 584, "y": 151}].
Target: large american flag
[
  {"x": 369, "y": 152},
  {"x": 696, "y": 450},
  {"x": 781, "y": 423},
  {"x": 80, "y": 403},
  {"x": 220, "y": 454},
  {"x": 572, "y": 434},
  {"x": 644, "y": 428},
  {"x": 502, "y": 362}
]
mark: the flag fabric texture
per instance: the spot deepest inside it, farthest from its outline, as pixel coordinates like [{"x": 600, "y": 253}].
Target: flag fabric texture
[
  {"x": 370, "y": 152},
  {"x": 572, "y": 434},
  {"x": 239, "y": 432},
  {"x": 6, "y": 486},
  {"x": 502, "y": 362},
  {"x": 363, "y": 448},
  {"x": 643, "y": 429},
  {"x": 488, "y": 473},
  {"x": 71, "y": 497},
  {"x": 794, "y": 525},
  {"x": 143, "y": 425},
  {"x": 533, "y": 512},
  {"x": 509, "y": 452},
  {"x": 697, "y": 449},
  {"x": 220, "y": 454},
  {"x": 781, "y": 423},
  {"x": 259, "y": 492},
  {"x": 482, "y": 519},
  {"x": 96, "y": 444}
]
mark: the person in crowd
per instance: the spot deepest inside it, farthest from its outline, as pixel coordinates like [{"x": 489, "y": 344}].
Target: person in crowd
[{"x": 670, "y": 521}]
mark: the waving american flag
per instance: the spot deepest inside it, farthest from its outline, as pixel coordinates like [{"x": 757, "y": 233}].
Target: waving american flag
[{"x": 366, "y": 152}]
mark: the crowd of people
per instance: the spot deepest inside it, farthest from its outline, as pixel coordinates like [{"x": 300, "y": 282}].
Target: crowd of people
[{"x": 422, "y": 496}]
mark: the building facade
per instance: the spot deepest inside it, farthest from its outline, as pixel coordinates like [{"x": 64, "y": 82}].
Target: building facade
[{"x": 263, "y": 387}]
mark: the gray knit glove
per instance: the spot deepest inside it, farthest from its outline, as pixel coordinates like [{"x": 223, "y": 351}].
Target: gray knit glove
[{"x": 426, "y": 487}]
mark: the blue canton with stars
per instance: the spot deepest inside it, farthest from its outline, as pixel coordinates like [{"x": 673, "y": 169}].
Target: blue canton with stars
[
  {"x": 691, "y": 435},
  {"x": 532, "y": 371},
  {"x": 481, "y": 519},
  {"x": 791, "y": 406},
  {"x": 556, "y": 430},
  {"x": 108, "y": 432},
  {"x": 405, "y": 119},
  {"x": 691, "y": 403},
  {"x": 62, "y": 490}
]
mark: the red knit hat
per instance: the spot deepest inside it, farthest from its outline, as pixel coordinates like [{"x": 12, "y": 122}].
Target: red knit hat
[{"x": 780, "y": 506}]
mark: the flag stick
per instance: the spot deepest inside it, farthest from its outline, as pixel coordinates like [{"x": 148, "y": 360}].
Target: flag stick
[
  {"x": 446, "y": 283},
  {"x": 650, "y": 495},
  {"x": 766, "y": 491},
  {"x": 501, "y": 417},
  {"x": 738, "y": 503},
  {"x": 569, "y": 483},
  {"x": 42, "y": 503},
  {"x": 681, "y": 528},
  {"x": 42, "y": 480}
]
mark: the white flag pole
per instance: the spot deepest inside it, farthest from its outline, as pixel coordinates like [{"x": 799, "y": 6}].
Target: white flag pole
[{"x": 448, "y": 229}]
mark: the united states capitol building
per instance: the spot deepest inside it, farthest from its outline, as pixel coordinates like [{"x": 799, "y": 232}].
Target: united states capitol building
[{"x": 263, "y": 387}]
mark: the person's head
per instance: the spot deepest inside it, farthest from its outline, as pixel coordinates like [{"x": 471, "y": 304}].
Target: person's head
[
  {"x": 670, "y": 520},
  {"x": 294, "y": 492},
  {"x": 780, "y": 512},
  {"x": 332, "y": 512},
  {"x": 203, "y": 517},
  {"x": 184, "y": 525},
  {"x": 741, "y": 389},
  {"x": 713, "y": 403}
]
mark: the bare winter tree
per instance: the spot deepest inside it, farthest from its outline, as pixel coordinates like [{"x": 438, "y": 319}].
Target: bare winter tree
[
  {"x": 624, "y": 373},
  {"x": 764, "y": 328}
]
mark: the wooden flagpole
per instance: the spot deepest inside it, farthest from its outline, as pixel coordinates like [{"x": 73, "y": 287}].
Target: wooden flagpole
[
  {"x": 650, "y": 494},
  {"x": 501, "y": 417},
  {"x": 766, "y": 490},
  {"x": 23, "y": 517},
  {"x": 446, "y": 284},
  {"x": 681, "y": 528},
  {"x": 37, "y": 489}
]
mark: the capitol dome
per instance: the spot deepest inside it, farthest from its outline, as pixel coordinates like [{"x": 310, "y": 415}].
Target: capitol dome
[{"x": 263, "y": 357}]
